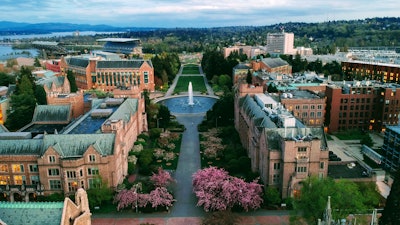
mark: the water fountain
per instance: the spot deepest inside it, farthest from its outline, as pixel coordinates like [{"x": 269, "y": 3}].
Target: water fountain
[
  {"x": 189, "y": 104},
  {"x": 190, "y": 92}
]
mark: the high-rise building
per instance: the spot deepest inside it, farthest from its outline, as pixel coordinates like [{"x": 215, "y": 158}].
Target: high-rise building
[{"x": 280, "y": 43}]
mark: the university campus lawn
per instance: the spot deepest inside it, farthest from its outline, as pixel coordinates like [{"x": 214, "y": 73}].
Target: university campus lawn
[
  {"x": 197, "y": 84},
  {"x": 190, "y": 69}
]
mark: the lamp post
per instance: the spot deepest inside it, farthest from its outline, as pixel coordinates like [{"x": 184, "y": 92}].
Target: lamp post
[{"x": 216, "y": 121}]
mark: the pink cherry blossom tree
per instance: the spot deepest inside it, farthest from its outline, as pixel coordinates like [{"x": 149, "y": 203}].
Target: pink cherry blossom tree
[
  {"x": 162, "y": 178},
  {"x": 161, "y": 197},
  {"x": 216, "y": 190}
]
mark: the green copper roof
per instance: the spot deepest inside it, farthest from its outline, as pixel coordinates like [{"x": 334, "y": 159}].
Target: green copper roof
[
  {"x": 124, "y": 111},
  {"x": 21, "y": 147},
  {"x": 32, "y": 213},
  {"x": 55, "y": 113},
  {"x": 75, "y": 145}
]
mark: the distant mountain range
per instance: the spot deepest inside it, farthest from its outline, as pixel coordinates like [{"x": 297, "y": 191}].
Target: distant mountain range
[{"x": 10, "y": 28}]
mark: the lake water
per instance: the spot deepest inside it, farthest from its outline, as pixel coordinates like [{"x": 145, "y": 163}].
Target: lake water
[{"x": 6, "y": 51}]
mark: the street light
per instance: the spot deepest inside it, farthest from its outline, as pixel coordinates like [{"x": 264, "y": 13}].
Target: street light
[{"x": 216, "y": 121}]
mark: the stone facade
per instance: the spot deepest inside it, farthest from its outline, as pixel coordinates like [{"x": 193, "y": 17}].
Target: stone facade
[
  {"x": 66, "y": 162},
  {"x": 283, "y": 155}
]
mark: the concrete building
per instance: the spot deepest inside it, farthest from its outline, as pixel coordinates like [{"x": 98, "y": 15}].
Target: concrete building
[
  {"x": 282, "y": 149},
  {"x": 240, "y": 72},
  {"x": 391, "y": 147},
  {"x": 361, "y": 105},
  {"x": 94, "y": 72},
  {"x": 126, "y": 46},
  {"x": 280, "y": 43},
  {"x": 250, "y": 51}
]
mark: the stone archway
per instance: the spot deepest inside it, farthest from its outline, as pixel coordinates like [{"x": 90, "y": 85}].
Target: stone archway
[{"x": 17, "y": 197}]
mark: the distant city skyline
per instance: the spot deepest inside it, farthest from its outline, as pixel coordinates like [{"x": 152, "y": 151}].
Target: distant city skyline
[{"x": 193, "y": 13}]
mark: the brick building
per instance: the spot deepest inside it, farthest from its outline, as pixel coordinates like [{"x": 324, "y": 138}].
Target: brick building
[
  {"x": 282, "y": 149},
  {"x": 272, "y": 65},
  {"x": 93, "y": 72},
  {"x": 384, "y": 72},
  {"x": 307, "y": 106},
  {"x": 361, "y": 105},
  {"x": 75, "y": 156}
]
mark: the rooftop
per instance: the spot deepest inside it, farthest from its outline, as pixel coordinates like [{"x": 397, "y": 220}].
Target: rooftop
[
  {"x": 124, "y": 40},
  {"x": 22, "y": 213}
]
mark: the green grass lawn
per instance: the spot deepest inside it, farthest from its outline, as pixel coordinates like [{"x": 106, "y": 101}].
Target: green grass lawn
[
  {"x": 190, "y": 69},
  {"x": 197, "y": 84}
]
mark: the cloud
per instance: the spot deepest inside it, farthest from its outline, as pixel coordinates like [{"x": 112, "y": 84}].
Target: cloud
[{"x": 194, "y": 13}]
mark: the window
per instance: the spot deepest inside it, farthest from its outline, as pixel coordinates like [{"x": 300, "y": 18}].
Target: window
[
  {"x": 146, "y": 77},
  {"x": 312, "y": 114},
  {"x": 92, "y": 158},
  {"x": 297, "y": 107},
  {"x": 302, "y": 149},
  {"x": 3, "y": 168},
  {"x": 52, "y": 158},
  {"x": 33, "y": 168},
  {"x": 81, "y": 173},
  {"x": 304, "y": 114},
  {"x": 54, "y": 172},
  {"x": 17, "y": 168},
  {"x": 301, "y": 169},
  {"x": 72, "y": 186},
  {"x": 277, "y": 166},
  {"x": 94, "y": 183},
  {"x": 312, "y": 106},
  {"x": 275, "y": 179},
  {"x": 71, "y": 174},
  {"x": 4, "y": 180},
  {"x": 319, "y": 114},
  {"x": 55, "y": 184},
  {"x": 35, "y": 180},
  {"x": 321, "y": 165},
  {"x": 93, "y": 171},
  {"x": 19, "y": 180}
]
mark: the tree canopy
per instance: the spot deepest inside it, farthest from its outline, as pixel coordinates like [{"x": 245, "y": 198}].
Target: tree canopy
[{"x": 346, "y": 198}]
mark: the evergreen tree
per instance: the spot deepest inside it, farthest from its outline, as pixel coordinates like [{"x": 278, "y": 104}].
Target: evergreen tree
[
  {"x": 249, "y": 78},
  {"x": 390, "y": 214},
  {"x": 72, "y": 82}
]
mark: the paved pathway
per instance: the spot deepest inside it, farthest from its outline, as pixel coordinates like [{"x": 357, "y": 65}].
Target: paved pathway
[
  {"x": 185, "y": 211},
  {"x": 189, "y": 163}
]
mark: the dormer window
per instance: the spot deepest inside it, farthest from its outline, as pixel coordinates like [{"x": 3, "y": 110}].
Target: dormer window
[
  {"x": 52, "y": 158},
  {"x": 92, "y": 158}
]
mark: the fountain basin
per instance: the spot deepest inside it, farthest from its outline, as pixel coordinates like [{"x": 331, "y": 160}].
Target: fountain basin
[{"x": 180, "y": 105}]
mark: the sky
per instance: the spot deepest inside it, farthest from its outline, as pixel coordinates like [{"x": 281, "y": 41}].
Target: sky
[{"x": 193, "y": 13}]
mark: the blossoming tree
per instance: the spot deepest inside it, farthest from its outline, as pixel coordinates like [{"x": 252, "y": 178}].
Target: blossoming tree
[{"x": 217, "y": 190}]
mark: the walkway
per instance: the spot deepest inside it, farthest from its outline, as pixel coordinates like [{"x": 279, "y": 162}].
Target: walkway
[{"x": 185, "y": 211}]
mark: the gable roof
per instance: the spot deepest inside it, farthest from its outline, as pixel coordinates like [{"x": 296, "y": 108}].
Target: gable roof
[
  {"x": 120, "y": 64},
  {"x": 58, "y": 81},
  {"x": 75, "y": 145},
  {"x": 78, "y": 62},
  {"x": 254, "y": 111},
  {"x": 33, "y": 213},
  {"x": 274, "y": 62},
  {"x": 53, "y": 113},
  {"x": 20, "y": 147},
  {"x": 125, "y": 110}
]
